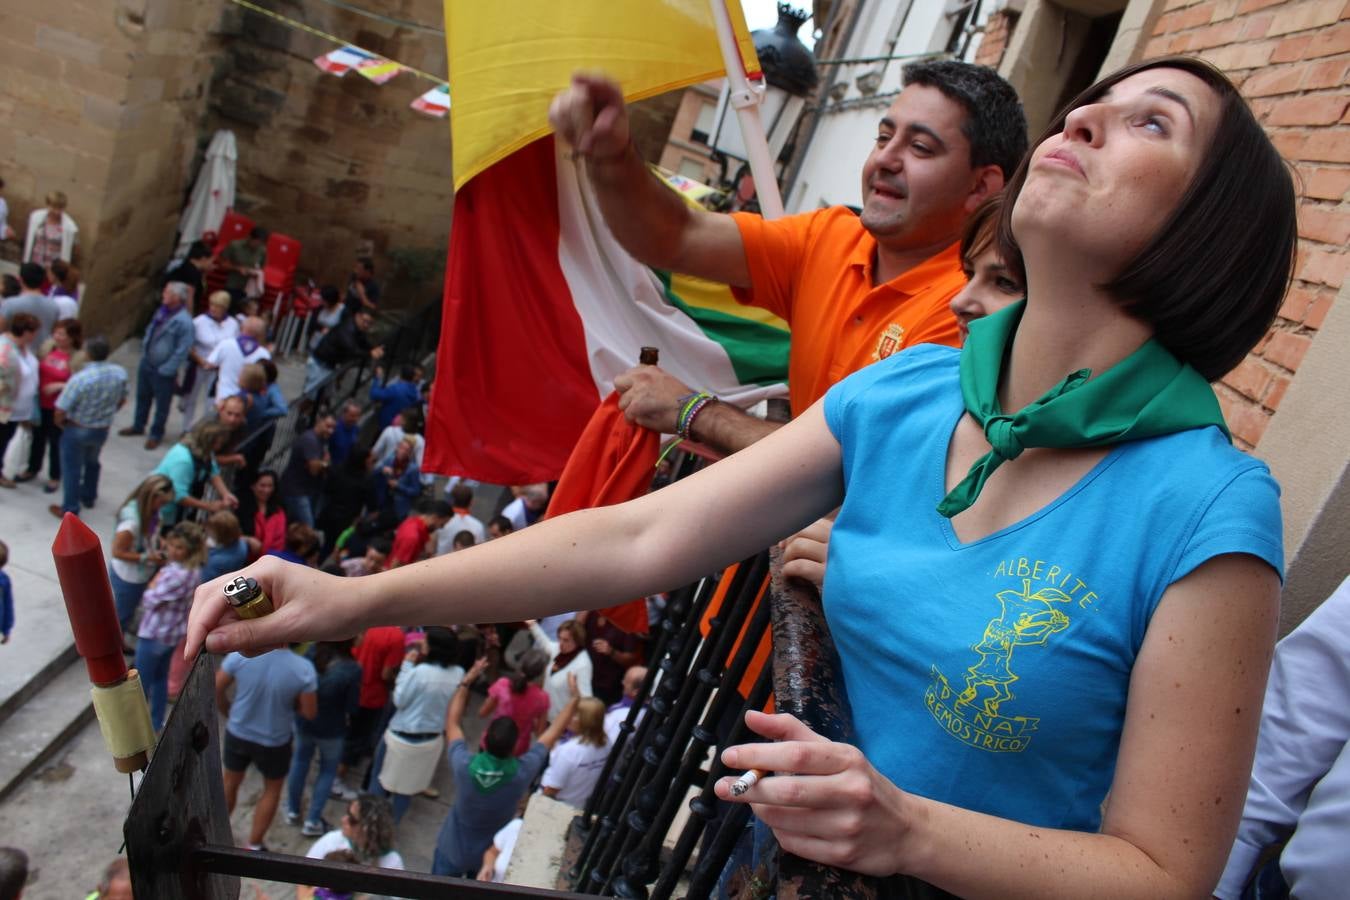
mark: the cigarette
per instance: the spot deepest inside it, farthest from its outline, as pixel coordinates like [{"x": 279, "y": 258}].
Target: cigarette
[{"x": 746, "y": 782}]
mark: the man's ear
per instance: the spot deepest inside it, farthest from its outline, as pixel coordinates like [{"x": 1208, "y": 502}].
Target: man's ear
[{"x": 988, "y": 181}]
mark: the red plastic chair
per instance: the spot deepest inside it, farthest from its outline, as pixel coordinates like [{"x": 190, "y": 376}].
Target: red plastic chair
[
  {"x": 233, "y": 227},
  {"x": 283, "y": 255}
]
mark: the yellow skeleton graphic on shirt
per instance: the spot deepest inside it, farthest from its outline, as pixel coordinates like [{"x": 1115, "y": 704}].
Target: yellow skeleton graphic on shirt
[{"x": 1025, "y": 619}]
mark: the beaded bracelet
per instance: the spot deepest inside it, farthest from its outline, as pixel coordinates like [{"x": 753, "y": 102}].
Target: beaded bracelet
[{"x": 690, "y": 407}]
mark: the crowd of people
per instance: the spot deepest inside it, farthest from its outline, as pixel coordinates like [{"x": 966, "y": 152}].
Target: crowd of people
[{"x": 1008, "y": 343}]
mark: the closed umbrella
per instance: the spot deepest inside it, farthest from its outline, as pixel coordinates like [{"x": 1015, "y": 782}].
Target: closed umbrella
[{"x": 213, "y": 193}]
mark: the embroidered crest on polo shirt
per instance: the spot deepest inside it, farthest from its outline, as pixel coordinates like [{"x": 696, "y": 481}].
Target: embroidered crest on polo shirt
[{"x": 889, "y": 341}]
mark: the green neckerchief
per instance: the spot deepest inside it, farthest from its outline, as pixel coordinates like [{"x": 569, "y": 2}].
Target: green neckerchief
[
  {"x": 491, "y": 772},
  {"x": 1144, "y": 395}
]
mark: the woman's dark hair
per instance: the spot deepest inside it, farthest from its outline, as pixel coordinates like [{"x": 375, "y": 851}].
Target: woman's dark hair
[
  {"x": 374, "y": 827},
  {"x": 500, "y": 739},
  {"x": 22, "y": 323},
  {"x": 274, "y": 501},
  {"x": 981, "y": 232},
  {"x": 270, "y": 371},
  {"x": 13, "y": 872},
  {"x": 73, "y": 331},
  {"x": 328, "y": 652},
  {"x": 10, "y": 286},
  {"x": 1212, "y": 279},
  {"x": 532, "y": 664},
  {"x": 442, "y": 647}
]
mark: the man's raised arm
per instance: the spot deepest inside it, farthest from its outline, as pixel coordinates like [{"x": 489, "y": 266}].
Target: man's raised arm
[{"x": 648, "y": 219}]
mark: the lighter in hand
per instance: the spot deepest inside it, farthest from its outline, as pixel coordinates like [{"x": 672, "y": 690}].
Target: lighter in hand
[{"x": 247, "y": 599}]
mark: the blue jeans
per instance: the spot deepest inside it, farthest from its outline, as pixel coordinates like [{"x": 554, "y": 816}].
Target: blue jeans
[
  {"x": 330, "y": 754},
  {"x": 152, "y": 387},
  {"x": 152, "y": 661},
  {"x": 299, "y": 508},
  {"x": 80, "y": 468},
  {"x": 315, "y": 374},
  {"x": 400, "y": 802},
  {"x": 127, "y": 596}
]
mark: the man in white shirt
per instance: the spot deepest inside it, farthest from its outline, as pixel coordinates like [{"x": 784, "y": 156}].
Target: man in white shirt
[
  {"x": 618, "y": 713},
  {"x": 1300, "y": 784},
  {"x": 210, "y": 329},
  {"x": 229, "y": 357},
  {"x": 461, "y": 496},
  {"x": 530, "y": 503}
]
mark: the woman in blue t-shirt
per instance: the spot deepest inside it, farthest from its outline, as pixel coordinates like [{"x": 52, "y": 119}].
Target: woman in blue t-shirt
[{"x": 1053, "y": 582}]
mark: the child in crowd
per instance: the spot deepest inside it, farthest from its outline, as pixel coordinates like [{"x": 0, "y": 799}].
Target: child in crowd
[
  {"x": 165, "y": 606},
  {"x": 377, "y": 552},
  {"x": 302, "y": 545},
  {"x": 462, "y": 540},
  {"x": 6, "y": 596},
  {"x": 520, "y": 698},
  {"x": 226, "y": 550},
  {"x": 367, "y": 830}
]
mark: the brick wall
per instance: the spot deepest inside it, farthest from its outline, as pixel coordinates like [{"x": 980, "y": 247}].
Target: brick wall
[
  {"x": 997, "y": 31},
  {"x": 1291, "y": 59}
]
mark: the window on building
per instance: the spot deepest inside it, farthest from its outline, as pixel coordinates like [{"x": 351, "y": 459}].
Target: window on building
[
  {"x": 703, "y": 125},
  {"x": 1059, "y": 48}
]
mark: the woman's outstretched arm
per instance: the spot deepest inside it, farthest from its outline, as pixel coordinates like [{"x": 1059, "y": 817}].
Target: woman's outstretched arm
[{"x": 586, "y": 560}]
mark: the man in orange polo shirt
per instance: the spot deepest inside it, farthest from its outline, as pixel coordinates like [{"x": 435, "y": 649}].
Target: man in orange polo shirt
[{"x": 854, "y": 289}]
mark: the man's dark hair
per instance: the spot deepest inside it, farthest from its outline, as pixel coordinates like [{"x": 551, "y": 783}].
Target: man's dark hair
[
  {"x": 995, "y": 125},
  {"x": 440, "y": 509},
  {"x": 259, "y": 233},
  {"x": 503, "y": 524},
  {"x": 31, "y": 275},
  {"x": 198, "y": 250},
  {"x": 366, "y": 263},
  {"x": 381, "y": 544},
  {"x": 407, "y": 371},
  {"x": 13, "y": 872},
  {"x": 1209, "y": 282},
  {"x": 97, "y": 348},
  {"x": 329, "y": 295},
  {"x": 11, "y": 286},
  {"x": 500, "y": 739},
  {"x": 461, "y": 495},
  {"x": 270, "y": 371}
]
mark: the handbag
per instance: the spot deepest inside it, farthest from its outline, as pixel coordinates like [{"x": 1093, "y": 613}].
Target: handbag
[{"x": 16, "y": 454}]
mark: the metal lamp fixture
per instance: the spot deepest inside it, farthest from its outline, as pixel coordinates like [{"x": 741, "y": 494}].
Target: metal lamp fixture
[{"x": 789, "y": 69}]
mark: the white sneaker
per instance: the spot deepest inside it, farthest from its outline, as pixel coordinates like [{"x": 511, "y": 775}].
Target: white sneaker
[{"x": 340, "y": 791}]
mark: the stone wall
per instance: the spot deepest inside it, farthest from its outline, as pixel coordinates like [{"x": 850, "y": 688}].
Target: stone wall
[
  {"x": 341, "y": 164},
  {"x": 103, "y": 101}
]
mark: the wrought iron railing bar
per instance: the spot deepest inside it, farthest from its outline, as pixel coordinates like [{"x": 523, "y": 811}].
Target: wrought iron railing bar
[
  {"x": 674, "y": 670},
  {"x": 641, "y": 866},
  {"x": 660, "y": 761},
  {"x": 686, "y": 607},
  {"x": 714, "y": 859},
  {"x": 704, "y": 806}
]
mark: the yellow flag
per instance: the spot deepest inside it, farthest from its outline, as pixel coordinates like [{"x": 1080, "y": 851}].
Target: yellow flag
[{"x": 508, "y": 58}]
